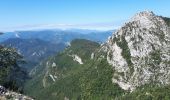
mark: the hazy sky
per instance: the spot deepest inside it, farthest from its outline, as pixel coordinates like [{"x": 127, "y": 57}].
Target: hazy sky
[{"x": 17, "y": 14}]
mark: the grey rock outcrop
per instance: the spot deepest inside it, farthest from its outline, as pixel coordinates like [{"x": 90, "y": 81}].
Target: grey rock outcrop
[
  {"x": 139, "y": 52},
  {"x": 9, "y": 95}
]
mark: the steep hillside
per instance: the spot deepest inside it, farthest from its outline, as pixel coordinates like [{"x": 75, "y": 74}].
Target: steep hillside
[
  {"x": 33, "y": 50},
  {"x": 12, "y": 76},
  {"x": 73, "y": 74}
]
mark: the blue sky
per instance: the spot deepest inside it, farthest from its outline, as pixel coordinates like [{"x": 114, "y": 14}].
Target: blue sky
[{"x": 18, "y": 14}]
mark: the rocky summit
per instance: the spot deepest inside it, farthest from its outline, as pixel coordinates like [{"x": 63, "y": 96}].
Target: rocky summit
[{"x": 139, "y": 52}]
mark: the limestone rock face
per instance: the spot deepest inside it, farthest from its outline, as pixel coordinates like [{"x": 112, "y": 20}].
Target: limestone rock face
[
  {"x": 139, "y": 52},
  {"x": 9, "y": 95}
]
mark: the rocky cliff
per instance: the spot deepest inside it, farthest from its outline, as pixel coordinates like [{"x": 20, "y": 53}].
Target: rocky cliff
[{"x": 139, "y": 52}]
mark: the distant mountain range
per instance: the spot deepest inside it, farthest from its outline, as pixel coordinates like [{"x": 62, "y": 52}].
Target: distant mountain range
[{"x": 59, "y": 36}]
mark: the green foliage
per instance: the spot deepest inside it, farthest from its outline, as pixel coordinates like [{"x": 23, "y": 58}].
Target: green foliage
[
  {"x": 7, "y": 62},
  {"x": 90, "y": 81},
  {"x": 149, "y": 92},
  {"x": 97, "y": 84},
  {"x": 83, "y": 48},
  {"x": 167, "y": 20},
  {"x": 155, "y": 56},
  {"x": 11, "y": 76}
]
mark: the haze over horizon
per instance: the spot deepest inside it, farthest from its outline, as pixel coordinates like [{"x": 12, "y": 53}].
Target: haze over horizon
[{"x": 64, "y": 14}]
